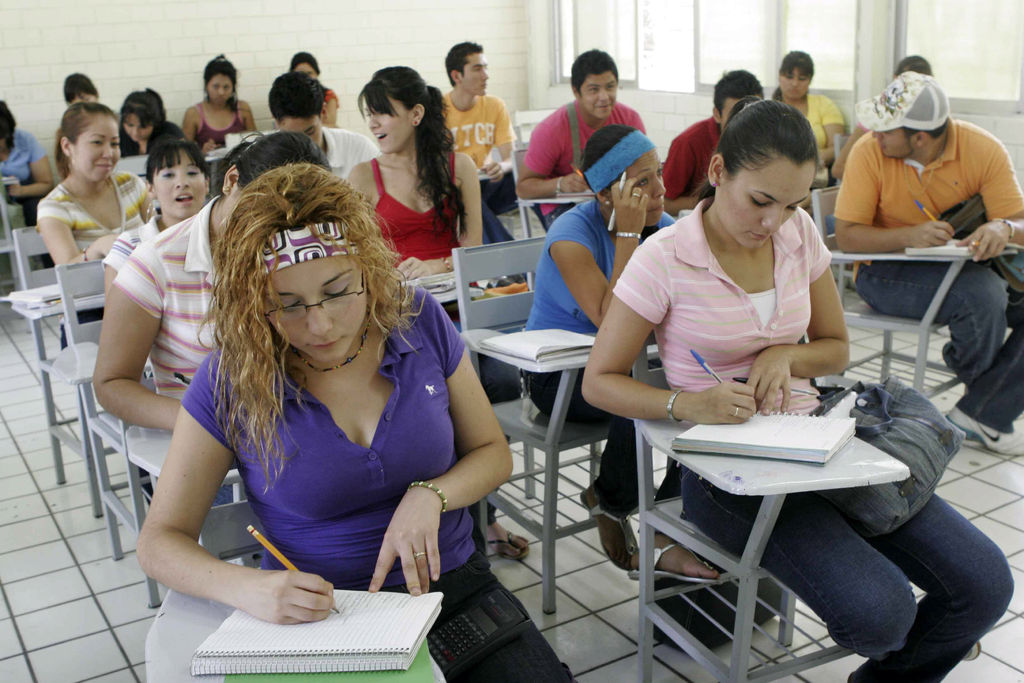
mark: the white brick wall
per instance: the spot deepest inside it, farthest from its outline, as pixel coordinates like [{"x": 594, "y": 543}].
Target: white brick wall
[{"x": 126, "y": 45}]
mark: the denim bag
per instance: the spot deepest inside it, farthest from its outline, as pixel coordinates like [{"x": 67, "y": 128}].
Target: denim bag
[{"x": 899, "y": 420}]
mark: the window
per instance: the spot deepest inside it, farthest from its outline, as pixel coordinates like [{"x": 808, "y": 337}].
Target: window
[
  {"x": 970, "y": 56},
  {"x": 686, "y": 45}
]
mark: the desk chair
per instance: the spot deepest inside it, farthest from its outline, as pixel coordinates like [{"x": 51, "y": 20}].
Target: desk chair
[
  {"x": 523, "y": 123},
  {"x": 28, "y": 246},
  {"x": 136, "y": 165},
  {"x": 857, "y": 313},
  {"x": 7, "y": 239},
  {"x": 518, "y": 155},
  {"x": 857, "y": 464},
  {"x": 519, "y": 419}
]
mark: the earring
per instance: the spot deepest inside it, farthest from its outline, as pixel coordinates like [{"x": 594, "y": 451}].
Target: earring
[{"x": 714, "y": 184}]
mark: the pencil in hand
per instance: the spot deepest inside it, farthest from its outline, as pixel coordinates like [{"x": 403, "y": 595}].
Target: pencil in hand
[{"x": 276, "y": 553}]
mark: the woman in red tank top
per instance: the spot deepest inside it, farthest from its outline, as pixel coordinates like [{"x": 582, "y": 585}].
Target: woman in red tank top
[{"x": 427, "y": 197}]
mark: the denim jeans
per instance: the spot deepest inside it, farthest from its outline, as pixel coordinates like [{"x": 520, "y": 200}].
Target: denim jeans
[
  {"x": 978, "y": 310},
  {"x": 860, "y": 587},
  {"x": 617, "y": 486},
  {"x": 496, "y": 198},
  {"x": 527, "y": 658}
]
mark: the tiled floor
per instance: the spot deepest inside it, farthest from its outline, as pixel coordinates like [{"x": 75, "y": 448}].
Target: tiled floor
[{"x": 70, "y": 613}]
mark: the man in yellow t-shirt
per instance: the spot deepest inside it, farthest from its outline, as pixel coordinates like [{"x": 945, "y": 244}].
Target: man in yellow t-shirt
[
  {"x": 480, "y": 125},
  {"x": 918, "y": 163}
]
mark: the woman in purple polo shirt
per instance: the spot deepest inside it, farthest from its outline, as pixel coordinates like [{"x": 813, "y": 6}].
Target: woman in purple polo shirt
[{"x": 355, "y": 418}]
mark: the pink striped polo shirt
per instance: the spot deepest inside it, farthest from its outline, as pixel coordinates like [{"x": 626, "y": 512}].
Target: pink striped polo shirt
[
  {"x": 674, "y": 281},
  {"x": 171, "y": 278}
]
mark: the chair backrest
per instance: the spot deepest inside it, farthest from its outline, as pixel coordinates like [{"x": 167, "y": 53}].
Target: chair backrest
[
  {"x": 524, "y": 121},
  {"x": 29, "y": 243},
  {"x": 839, "y": 141},
  {"x": 506, "y": 312},
  {"x": 518, "y": 155},
  {"x": 823, "y": 204},
  {"x": 136, "y": 165},
  {"x": 76, "y": 281}
]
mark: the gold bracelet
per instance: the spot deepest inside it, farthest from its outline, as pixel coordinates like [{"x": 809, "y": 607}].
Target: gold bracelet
[{"x": 432, "y": 487}]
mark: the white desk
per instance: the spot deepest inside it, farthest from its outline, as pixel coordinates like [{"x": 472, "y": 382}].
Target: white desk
[
  {"x": 856, "y": 464},
  {"x": 181, "y": 625}
]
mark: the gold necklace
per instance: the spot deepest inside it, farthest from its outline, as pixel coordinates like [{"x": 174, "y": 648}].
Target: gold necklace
[{"x": 362, "y": 342}]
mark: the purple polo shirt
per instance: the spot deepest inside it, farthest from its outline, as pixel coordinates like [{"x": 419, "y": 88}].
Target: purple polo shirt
[{"x": 328, "y": 509}]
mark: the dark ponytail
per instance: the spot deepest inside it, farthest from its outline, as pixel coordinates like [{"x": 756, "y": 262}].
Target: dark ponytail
[
  {"x": 759, "y": 132},
  {"x": 434, "y": 142}
]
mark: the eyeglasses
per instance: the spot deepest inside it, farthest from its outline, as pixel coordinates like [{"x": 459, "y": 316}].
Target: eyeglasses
[{"x": 331, "y": 302}]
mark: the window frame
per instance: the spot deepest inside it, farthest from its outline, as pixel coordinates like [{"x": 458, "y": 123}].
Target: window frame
[
  {"x": 960, "y": 105},
  {"x": 700, "y": 88}
]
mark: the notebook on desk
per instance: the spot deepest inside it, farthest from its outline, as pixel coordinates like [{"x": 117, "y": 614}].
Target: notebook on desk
[
  {"x": 421, "y": 671},
  {"x": 803, "y": 438},
  {"x": 371, "y": 632},
  {"x": 951, "y": 248},
  {"x": 538, "y": 345}
]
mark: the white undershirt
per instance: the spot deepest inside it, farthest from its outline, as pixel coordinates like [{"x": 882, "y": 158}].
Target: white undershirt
[{"x": 764, "y": 304}]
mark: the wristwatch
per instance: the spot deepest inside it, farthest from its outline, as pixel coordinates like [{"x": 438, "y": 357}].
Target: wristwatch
[{"x": 1013, "y": 228}]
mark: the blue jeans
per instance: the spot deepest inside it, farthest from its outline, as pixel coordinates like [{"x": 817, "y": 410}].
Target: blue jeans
[
  {"x": 527, "y": 658},
  {"x": 617, "y": 486},
  {"x": 860, "y": 586},
  {"x": 496, "y": 198},
  {"x": 978, "y": 310}
]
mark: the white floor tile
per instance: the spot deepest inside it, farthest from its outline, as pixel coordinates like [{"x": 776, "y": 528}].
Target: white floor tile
[
  {"x": 975, "y": 495},
  {"x": 122, "y": 676},
  {"x": 68, "y": 497},
  {"x": 107, "y": 574},
  {"x": 1004, "y": 643},
  {"x": 133, "y": 639},
  {"x": 1012, "y": 514},
  {"x": 626, "y": 670},
  {"x": 1009, "y": 539},
  {"x": 21, "y": 508},
  {"x": 39, "y": 559},
  {"x": 9, "y": 645},
  {"x": 95, "y": 545},
  {"x": 78, "y": 521},
  {"x": 984, "y": 668},
  {"x": 1008, "y": 475},
  {"x": 27, "y": 533},
  {"x": 77, "y": 659},
  {"x": 46, "y": 590},
  {"x": 570, "y": 555},
  {"x": 127, "y": 604},
  {"x": 587, "y": 643},
  {"x": 12, "y": 466},
  {"x": 14, "y": 670},
  {"x": 600, "y": 586},
  {"x": 566, "y": 608},
  {"x": 59, "y": 623}
]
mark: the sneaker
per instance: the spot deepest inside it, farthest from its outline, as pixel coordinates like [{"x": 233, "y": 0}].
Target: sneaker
[{"x": 1007, "y": 443}]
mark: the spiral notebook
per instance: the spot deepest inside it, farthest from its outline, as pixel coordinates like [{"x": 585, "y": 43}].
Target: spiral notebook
[
  {"x": 371, "y": 632},
  {"x": 804, "y": 438}
]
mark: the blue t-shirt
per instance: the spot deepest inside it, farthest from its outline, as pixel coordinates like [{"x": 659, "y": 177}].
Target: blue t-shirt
[
  {"x": 26, "y": 150},
  {"x": 328, "y": 509},
  {"x": 554, "y": 307}
]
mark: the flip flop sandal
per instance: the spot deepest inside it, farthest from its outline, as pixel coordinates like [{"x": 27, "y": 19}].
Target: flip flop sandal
[
  {"x": 634, "y": 574},
  {"x": 507, "y": 547},
  {"x": 628, "y": 537}
]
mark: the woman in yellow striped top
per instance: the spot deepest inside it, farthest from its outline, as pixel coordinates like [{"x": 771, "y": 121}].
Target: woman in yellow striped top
[{"x": 81, "y": 217}]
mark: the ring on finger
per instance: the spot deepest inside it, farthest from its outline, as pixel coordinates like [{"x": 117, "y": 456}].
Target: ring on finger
[
  {"x": 736, "y": 412},
  {"x": 417, "y": 555},
  {"x": 637, "y": 193}
]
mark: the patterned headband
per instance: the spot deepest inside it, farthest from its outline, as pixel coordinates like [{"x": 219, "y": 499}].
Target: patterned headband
[{"x": 305, "y": 243}]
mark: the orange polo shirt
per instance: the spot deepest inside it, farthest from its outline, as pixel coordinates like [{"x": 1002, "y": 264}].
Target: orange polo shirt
[{"x": 880, "y": 191}]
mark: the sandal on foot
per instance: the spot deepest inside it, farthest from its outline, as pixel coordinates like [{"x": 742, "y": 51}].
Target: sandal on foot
[
  {"x": 513, "y": 547},
  {"x": 624, "y": 527},
  {"x": 634, "y": 574}
]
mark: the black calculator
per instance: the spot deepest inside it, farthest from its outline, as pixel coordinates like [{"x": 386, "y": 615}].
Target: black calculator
[{"x": 466, "y": 638}]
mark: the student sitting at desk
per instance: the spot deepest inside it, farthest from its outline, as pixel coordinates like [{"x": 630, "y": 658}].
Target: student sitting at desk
[
  {"x": 93, "y": 203},
  {"x": 179, "y": 180},
  {"x": 221, "y": 112},
  {"x": 741, "y": 280},
  {"x": 355, "y": 418},
  {"x": 159, "y": 300},
  {"x": 427, "y": 197},
  {"x": 23, "y": 160},
  {"x": 304, "y": 62},
  {"x": 584, "y": 254},
  {"x": 144, "y": 122}
]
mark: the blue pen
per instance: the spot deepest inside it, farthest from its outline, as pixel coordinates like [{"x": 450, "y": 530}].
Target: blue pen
[
  {"x": 707, "y": 368},
  {"x": 925, "y": 211}
]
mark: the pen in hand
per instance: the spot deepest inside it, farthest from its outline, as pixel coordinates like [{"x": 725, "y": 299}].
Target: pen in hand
[
  {"x": 707, "y": 368},
  {"x": 276, "y": 553},
  {"x": 611, "y": 219},
  {"x": 795, "y": 390},
  {"x": 925, "y": 211}
]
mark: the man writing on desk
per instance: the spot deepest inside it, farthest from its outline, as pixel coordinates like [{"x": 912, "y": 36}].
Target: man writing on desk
[
  {"x": 480, "y": 124},
  {"x": 917, "y": 152},
  {"x": 556, "y": 145}
]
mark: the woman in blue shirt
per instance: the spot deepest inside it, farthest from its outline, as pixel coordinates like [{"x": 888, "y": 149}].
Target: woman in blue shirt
[
  {"x": 584, "y": 254},
  {"x": 24, "y": 164}
]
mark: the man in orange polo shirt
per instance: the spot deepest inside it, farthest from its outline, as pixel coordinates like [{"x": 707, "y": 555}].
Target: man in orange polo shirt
[{"x": 917, "y": 152}]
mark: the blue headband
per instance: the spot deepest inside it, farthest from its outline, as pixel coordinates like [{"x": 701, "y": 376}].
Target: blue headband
[{"x": 616, "y": 160}]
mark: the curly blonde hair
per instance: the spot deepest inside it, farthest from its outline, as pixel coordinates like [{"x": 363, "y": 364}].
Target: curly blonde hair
[{"x": 251, "y": 375}]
